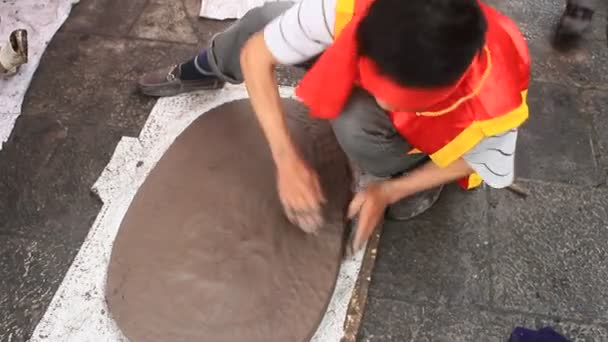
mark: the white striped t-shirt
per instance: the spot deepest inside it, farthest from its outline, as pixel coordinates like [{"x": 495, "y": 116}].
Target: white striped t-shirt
[{"x": 307, "y": 29}]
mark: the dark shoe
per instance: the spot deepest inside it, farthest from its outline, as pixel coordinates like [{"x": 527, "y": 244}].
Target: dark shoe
[
  {"x": 167, "y": 82},
  {"x": 413, "y": 206},
  {"x": 575, "y": 21}
]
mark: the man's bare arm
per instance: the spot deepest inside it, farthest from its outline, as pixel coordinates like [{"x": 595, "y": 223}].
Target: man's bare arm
[
  {"x": 298, "y": 185},
  {"x": 258, "y": 67},
  {"x": 426, "y": 177}
]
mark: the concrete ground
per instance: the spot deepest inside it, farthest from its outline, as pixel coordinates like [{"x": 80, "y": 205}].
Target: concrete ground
[{"x": 471, "y": 269}]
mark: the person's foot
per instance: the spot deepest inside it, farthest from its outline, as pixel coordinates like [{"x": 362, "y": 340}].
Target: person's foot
[
  {"x": 575, "y": 21},
  {"x": 168, "y": 82},
  {"x": 413, "y": 206}
]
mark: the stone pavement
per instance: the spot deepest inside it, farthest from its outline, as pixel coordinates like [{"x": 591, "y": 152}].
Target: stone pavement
[{"x": 471, "y": 269}]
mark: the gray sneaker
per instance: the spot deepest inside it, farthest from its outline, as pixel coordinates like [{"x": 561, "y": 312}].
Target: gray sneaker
[
  {"x": 413, "y": 206},
  {"x": 167, "y": 82}
]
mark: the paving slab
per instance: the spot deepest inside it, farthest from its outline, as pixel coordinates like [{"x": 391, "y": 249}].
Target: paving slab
[
  {"x": 392, "y": 320},
  {"x": 549, "y": 252},
  {"x": 165, "y": 20},
  {"x": 205, "y": 29},
  {"x": 538, "y": 19},
  {"x": 47, "y": 135},
  {"x": 389, "y": 320},
  {"x": 23, "y": 303},
  {"x": 585, "y": 66},
  {"x": 51, "y": 168},
  {"x": 596, "y": 105},
  {"x": 99, "y": 85},
  {"x": 555, "y": 144},
  {"x": 111, "y": 17},
  {"x": 440, "y": 257}
]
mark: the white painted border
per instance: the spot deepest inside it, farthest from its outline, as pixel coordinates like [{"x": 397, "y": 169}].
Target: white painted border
[{"x": 78, "y": 311}]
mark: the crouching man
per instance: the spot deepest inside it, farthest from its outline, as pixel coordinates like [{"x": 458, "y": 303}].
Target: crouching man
[{"x": 419, "y": 93}]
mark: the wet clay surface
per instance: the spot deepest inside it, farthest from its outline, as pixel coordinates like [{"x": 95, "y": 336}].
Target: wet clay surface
[{"x": 205, "y": 252}]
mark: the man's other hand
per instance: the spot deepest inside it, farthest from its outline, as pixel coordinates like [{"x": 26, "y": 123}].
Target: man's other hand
[{"x": 369, "y": 205}]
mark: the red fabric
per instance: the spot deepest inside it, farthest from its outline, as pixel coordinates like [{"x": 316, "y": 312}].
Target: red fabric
[
  {"x": 499, "y": 95},
  {"x": 397, "y": 96},
  {"x": 339, "y": 68},
  {"x": 327, "y": 86}
]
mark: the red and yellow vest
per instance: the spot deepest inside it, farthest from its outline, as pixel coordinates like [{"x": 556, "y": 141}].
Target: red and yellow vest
[{"x": 491, "y": 100}]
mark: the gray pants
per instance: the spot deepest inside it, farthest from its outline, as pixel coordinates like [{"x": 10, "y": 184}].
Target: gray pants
[{"x": 364, "y": 130}]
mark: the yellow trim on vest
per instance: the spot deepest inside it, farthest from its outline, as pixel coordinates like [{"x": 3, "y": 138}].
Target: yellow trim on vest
[
  {"x": 475, "y": 180},
  {"x": 474, "y": 93},
  {"x": 473, "y": 134},
  {"x": 344, "y": 13}
]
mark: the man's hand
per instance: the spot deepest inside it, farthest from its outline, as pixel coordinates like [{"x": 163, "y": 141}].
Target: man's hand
[
  {"x": 370, "y": 205},
  {"x": 301, "y": 194},
  {"x": 298, "y": 184}
]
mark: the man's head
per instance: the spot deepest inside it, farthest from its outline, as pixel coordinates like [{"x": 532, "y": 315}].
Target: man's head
[{"x": 422, "y": 43}]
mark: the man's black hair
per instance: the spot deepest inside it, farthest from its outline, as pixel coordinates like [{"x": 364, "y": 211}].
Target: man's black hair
[{"x": 422, "y": 43}]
